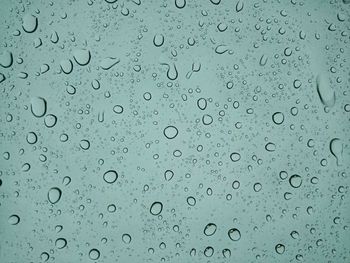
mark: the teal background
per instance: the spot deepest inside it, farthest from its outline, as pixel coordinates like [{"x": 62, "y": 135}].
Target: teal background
[{"x": 88, "y": 87}]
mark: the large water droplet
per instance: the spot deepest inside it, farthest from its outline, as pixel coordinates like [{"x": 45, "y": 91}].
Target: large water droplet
[
  {"x": 61, "y": 243},
  {"x": 6, "y": 59},
  {"x": 66, "y": 66},
  {"x": 210, "y": 229},
  {"x": 54, "y": 195},
  {"x": 158, "y": 40},
  {"x": 234, "y": 234},
  {"x": 110, "y": 176},
  {"x": 180, "y": 3},
  {"x": 30, "y": 23},
  {"x": 94, "y": 254},
  {"x": 156, "y": 208},
  {"x": 170, "y": 132},
  {"x": 109, "y": 62},
  {"x": 38, "y": 106},
  {"x": 82, "y": 56},
  {"x": 325, "y": 91},
  {"x": 13, "y": 219},
  {"x": 336, "y": 148},
  {"x": 295, "y": 181}
]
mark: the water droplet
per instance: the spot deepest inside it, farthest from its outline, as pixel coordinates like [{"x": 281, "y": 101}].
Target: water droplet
[
  {"x": 210, "y": 229},
  {"x": 215, "y": 2},
  {"x": 270, "y": 147},
  {"x": 180, "y": 3},
  {"x": 32, "y": 138},
  {"x": 82, "y": 56},
  {"x": 234, "y": 234},
  {"x": 208, "y": 251},
  {"x": 156, "y": 208},
  {"x": 170, "y": 132},
  {"x": 54, "y": 195},
  {"x": 221, "y": 49},
  {"x": 118, "y": 109},
  {"x": 202, "y": 103},
  {"x": 171, "y": 73},
  {"x": 207, "y": 119},
  {"x": 54, "y": 37},
  {"x": 84, "y": 144},
  {"x": 50, "y": 120},
  {"x": 295, "y": 181},
  {"x": 325, "y": 91},
  {"x": 66, "y": 66},
  {"x": 263, "y": 60},
  {"x": 6, "y": 59},
  {"x": 110, "y": 176},
  {"x": 279, "y": 248},
  {"x": 38, "y": 106},
  {"x": 13, "y": 219},
  {"x": 226, "y": 253},
  {"x": 168, "y": 175},
  {"x": 61, "y": 243},
  {"x": 257, "y": 187},
  {"x": 191, "y": 201},
  {"x": 108, "y": 62},
  {"x": 126, "y": 238},
  {"x": 278, "y": 118},
  {"x": 336, "y": 148},
  {"x": 239, "y": 6},
  {"x": 44, "y": 256},
  {"x": 235, "y": 157},
  {"x": 30, "y": 23},
  {"x": 158, "y": 40},
  {"x": 94, "y": 254}
]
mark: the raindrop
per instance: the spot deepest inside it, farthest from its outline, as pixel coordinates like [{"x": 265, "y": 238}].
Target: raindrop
[
  {"x": 278, "y": 118},
  {"x": 110, "y": 176},
  {"x": 118, "y": 109},
  {"x": 235, "y": 157},
  {"x": 50, "y": 120},
  {"x": 208, "y": 251},
  {"x": 207, "y": 119},
  {"x": 84, "y": 144},
  {"x": 32, "y": 138},
  {"x": 202, "y": 103},
  {"x": 126, "y": 238},
  {"x": 239, "y": 6},
  {"x": 210, "y": 229},
  {"x": 325, "y": 91},
  {"x": 94, "y": 254},
  {"x": 30, "y": 23},
  {"x": 168, "y": 175},
  {"x": 336, "y": 148},
  {"x": 295, "y": 181},
  {"x": 158, "y": 40},
  {"x": 270, "y": 147},
  {"x": 234, "y": 234},
  {"x": 108, "y": 62},
  {"x": 82, "y": 56},
  {"x": 54, "y": 195},
  {"x": 170, "y": 132},
  {"x": 66, "y": 66},
  {"x": 226, "y": 253},
  {"x": 180, "y": 3},
  {"x": 13, "y": 219},
  {"x": 38, "y": 106},
  {"x": 279, "y": 248},
  {"x": 60, "y": 243},
  {"x": 191, "y": 201},
  {"x": 156, "y": 208},
  {"x": 6, "y": 59}
]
